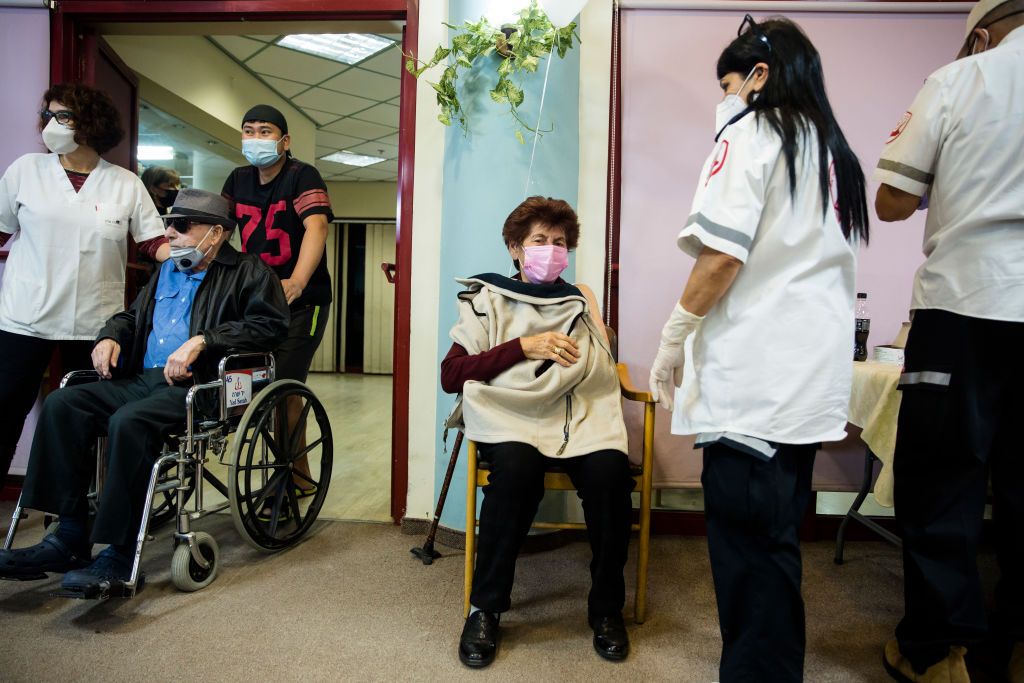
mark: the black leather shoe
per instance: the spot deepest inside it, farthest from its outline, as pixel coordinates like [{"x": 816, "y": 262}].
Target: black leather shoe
[
  {"x": 610, "y": 638},
  {"x": 479, "y": 643}
]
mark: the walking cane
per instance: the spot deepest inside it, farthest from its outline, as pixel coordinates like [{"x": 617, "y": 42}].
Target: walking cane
[{"x": 427, "y": 552}]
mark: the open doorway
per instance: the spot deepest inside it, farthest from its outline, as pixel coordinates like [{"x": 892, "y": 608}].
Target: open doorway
[{"x": 357, "y": 137}]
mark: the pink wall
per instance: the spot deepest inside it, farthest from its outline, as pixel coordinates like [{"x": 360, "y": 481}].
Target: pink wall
[
  {"x": 25, "y": 74},
  {"x": 874, "y": 65}
]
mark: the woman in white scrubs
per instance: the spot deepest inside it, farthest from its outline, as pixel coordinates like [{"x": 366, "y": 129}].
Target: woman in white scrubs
[
  {"x": 69, "y": 214},
  {"x": 768, "y": 312}
]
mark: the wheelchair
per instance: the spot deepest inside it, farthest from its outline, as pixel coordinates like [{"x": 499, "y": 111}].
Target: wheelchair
[{"x": 241, "y": 419}]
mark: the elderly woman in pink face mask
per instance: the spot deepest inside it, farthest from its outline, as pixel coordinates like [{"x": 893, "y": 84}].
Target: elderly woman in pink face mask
[{"x": 538, "y": 387}]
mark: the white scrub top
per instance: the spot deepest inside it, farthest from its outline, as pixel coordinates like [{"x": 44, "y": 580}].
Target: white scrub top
[
  {"x": 962, "y": 138},
  {"x": 773, "y": 359},
  {"x": 64, "y": 276}
]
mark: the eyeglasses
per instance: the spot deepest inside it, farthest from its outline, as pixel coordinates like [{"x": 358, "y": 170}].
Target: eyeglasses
[
  {"x": 64, "y": 117},
  {"x": 180, "y": 223},
  {"x": 758, "y": 33}
]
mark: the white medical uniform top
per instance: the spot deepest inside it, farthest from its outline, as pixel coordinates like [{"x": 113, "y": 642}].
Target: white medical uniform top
[
  {"x": 962, "y": 138},
  {"x": 773, "y": 358},
  {"x": 65, "y": 273}
]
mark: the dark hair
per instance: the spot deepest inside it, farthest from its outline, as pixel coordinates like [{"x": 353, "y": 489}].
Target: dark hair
[
  {"x": 549, "y": 212},
  {"x": 793, "y": 98},
  {"x": 158, "y": 175},
  {"x": 96, "y": 119}
]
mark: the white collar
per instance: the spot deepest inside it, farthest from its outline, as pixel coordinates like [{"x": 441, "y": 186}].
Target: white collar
[{"x": 1015, "y": 34}]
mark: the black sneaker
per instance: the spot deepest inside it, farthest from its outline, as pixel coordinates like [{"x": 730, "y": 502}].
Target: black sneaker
[
  {"x": 479, "y": 642},
  {"x": 49, "y": 555}
]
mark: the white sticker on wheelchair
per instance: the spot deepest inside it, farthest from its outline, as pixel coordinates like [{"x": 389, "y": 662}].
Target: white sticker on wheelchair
[
  {"x": 239, "y": 388},
  {"x": 259, "y": 375}
]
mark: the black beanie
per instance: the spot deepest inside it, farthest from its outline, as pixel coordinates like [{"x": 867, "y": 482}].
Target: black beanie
[{"x": 264, "y": 112}]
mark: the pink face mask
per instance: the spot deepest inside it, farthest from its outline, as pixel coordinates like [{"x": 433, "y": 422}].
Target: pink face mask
[{"x": 545, "y": 263}]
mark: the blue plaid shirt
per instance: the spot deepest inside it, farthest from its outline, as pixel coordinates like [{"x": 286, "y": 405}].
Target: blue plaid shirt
[{"x": 175, "y": 292}]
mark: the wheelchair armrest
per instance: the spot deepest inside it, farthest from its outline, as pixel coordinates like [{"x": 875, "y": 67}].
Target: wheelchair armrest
[
  {"x": 629, "y": 391},
  {"x": 79, "y": 377},
  {"x": 265, "y": 358}
]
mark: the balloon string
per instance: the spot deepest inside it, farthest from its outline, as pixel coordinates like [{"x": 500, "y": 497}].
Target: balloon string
[{"x": 536, "y": 134}]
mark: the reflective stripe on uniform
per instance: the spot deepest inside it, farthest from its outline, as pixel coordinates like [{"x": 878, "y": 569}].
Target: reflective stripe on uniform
[
  {"x": 906, "y": 171},
  {"x": 941, "y": 379},
  {"x": 720, "y": 231}
]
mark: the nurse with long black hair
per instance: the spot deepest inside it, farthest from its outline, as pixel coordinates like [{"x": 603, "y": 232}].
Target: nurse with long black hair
[{"x": 761, "y": 339}]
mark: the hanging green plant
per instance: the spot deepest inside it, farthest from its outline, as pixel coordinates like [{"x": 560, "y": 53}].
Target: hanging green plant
[{"x": 521, "y": 45}]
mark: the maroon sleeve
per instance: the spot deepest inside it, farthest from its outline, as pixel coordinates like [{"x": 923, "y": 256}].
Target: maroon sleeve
[
  {"x": 4, "y": 236},
  {"x": 148, "y": 247},
  {"x": 458, "y": 367}
]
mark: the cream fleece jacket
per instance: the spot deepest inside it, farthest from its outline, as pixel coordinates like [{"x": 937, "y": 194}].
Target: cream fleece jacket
[{"x": 563, "y": 412}]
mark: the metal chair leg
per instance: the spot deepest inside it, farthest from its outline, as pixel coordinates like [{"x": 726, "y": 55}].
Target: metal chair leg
[
  {"x": 470, "y": 526},
  {"x": 13, "y": 529},
  {"x": 862, "y": 494}
]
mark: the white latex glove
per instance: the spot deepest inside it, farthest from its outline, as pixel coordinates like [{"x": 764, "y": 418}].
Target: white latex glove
[{"x": 667, "y": 370}]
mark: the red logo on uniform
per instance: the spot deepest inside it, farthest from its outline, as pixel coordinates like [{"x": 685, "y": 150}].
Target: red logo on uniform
[
  {"x": 900, "y": 127},
  {"x": 719, "y": 161}
]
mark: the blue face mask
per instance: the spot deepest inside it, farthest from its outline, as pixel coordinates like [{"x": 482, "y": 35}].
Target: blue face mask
[{"x": 260, "y": 153}]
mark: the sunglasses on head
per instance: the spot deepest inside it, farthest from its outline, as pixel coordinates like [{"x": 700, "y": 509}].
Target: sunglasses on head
[
  {"x": 181, "y": 224},
  {"x": 755, "y": 29},
  {"x": 64, "y": 117}
]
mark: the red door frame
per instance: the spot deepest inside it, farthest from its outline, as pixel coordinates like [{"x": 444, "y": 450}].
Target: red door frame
[{"x": 70, "y": 24}]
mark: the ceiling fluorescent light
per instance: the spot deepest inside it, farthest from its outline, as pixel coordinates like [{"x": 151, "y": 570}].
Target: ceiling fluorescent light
[
  {"x": 352, "y": 159},
  {"x": 348, "y": 48},
  {"x": 155, "y": 152}
]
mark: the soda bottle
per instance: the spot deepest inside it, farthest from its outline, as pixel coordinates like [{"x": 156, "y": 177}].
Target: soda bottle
[{"x": 862, "y": 328}]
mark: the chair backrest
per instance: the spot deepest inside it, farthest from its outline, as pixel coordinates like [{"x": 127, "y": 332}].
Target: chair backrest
[{"x": 613, "y": 342}]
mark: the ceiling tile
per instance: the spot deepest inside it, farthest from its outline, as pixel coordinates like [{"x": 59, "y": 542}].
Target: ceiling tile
[
  {"x": 285, "y": 87},
  {"x": 335, "y": 141},
  {"x": 322, "y": 151},
  {"x": 239, "y": 47},
  {"x": 359, "y": 129},
  {"x": 365, "y": 84},
  {"x": 295, "y": 66},
  {"x": 389, "y": 166},
  {"x": 376, "y": 149},
  {"x": 332, "y": 168},
  {"x": 266, "y": 39},
  {"x": 321, "y": 117},
  {"x": 390, "y": 140},
  {"x": 370, "y": 173},
  {"x": 384, "y": 114},
  {"x": 330, "y": 101},
  {"x": 387, "y": 62}
]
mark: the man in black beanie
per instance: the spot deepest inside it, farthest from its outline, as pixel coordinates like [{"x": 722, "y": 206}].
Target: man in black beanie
[{"x": 284, "y": 211}]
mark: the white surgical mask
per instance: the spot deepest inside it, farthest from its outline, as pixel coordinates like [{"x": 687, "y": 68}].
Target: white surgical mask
[
  {"x": 260, "y": 153},
  {"x": 187, "y": 258},
  {"x": 59, "y": 139},
  {"x": 731, "y": 106}
]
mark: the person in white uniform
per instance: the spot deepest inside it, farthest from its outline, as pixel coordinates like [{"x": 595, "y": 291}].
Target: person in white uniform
[
  {"x": 70, "y": 213},
  {"x": 762, "y": 337},
  {"x": 958, "y": 151}
]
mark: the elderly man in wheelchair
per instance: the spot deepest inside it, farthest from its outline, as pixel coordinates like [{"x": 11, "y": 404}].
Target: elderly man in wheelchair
[{"x": 205, "y": 300}]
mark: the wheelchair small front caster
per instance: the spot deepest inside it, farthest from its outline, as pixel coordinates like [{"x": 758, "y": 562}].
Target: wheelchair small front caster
[{"x": 186, "y": 574}]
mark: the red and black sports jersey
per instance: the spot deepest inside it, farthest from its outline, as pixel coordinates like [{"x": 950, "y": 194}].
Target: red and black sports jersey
[{"x": 270, "y": 220}]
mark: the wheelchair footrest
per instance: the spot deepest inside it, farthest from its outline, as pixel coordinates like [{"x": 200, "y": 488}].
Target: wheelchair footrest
[
  {"x": 102, "y": 590},
  {"x": 25, "y": 577}
]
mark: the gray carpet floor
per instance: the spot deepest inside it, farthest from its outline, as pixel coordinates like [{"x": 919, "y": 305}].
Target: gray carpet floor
[{"x": 350, "y": 603}]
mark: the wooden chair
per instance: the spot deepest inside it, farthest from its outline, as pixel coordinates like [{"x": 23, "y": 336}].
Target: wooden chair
[{"x": 557, "y": 480}]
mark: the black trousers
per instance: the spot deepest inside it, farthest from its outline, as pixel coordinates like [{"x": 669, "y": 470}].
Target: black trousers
[
  {"x": 305, "y": 332},
  {"x": 135, "y": 414},
  {"x": 511, "y": 498},
  {"x": 22, "y": 363},
  {"x": 959, "y": 425},
  {"x": 753, "y": 510}
]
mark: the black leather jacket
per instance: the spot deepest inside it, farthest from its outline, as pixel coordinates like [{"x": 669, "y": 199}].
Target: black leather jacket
[{"x": 239, "y": 307}]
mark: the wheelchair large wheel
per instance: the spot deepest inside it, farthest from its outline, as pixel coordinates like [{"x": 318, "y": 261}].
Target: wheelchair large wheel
[{"x": 274, "y": 500}]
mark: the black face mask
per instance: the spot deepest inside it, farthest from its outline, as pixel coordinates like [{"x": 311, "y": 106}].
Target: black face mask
[{"x": 169, "y": 197}]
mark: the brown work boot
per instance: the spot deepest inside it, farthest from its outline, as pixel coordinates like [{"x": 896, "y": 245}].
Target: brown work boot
[
  {"x": 1015, "y": 670},
  {"x": 952, "y": 669}
]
